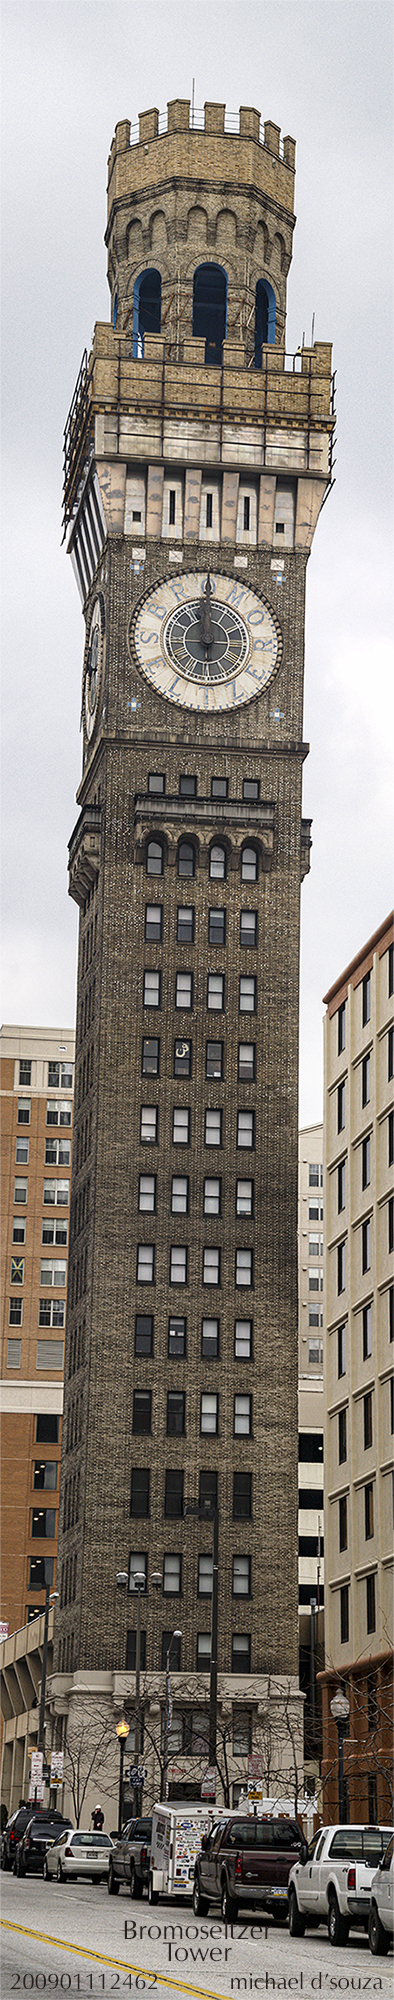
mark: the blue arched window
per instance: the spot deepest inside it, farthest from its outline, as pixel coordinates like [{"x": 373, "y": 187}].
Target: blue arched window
[
  {"x": 210, "y": 309},
  {"x": 146, "y": 308},
  {"x": 264, "y": 319}
]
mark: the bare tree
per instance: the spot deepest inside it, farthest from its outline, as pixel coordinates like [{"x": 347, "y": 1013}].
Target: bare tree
[{"x": 89, "y": 1754}]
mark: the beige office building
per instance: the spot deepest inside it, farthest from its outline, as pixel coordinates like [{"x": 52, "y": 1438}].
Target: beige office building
[{"x": 359, "y": 1395}]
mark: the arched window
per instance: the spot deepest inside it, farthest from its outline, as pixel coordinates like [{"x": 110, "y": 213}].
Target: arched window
[
  {"x": 146, "y": 308},
  {"x": 185, "y": 858},
  {"x": 264, "y": 319},
  {"x": 115, "y": 310},
  {"x": 249, "y": 865},
  {"x": 217, "y": 864},
  {"x": 210, "y": 309},
  {"x": 154, "y": 858}
]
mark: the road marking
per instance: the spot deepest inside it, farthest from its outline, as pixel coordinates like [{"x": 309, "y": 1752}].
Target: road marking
[{"x": 116, "y": 1964}]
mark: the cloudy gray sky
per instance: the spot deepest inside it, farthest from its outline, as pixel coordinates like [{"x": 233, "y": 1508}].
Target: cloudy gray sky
[{"x": 322, "y": 70}]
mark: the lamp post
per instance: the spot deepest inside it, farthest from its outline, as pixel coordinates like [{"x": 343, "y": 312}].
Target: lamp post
[
  {"x": 340, "y": 1709},
  {"x": 122, "y": 1731},
  {"x": 167, "y": 1719},
  {"x": 138, "y": 1586},
  {"x": 211, "y": 1513},
  {"x": 51, "y": 1597}
]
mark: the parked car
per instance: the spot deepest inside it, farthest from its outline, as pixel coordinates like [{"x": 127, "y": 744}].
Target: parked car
[
  {"x": 381, "y": 1912},
  {"x": 12, "y": 1833},
  {"x": 42, "y": 1830},
  {"x": 334, "y": 1883},
  {"x": 78, "y": 1853},
  {"x": 247, "y": 1861},
  {"x": 130, "y": 1857}
]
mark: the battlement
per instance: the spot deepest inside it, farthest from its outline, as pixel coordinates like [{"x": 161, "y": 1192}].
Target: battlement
[{"x": 213, "y": 119}]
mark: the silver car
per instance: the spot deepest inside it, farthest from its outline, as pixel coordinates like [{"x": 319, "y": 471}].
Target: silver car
[
  {"x": 381, "y": 1914},
  {"x": 78, "y": 1853}
]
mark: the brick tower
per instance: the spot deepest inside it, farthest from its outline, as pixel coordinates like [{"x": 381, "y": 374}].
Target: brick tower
[{"x": 197, "y": 457}]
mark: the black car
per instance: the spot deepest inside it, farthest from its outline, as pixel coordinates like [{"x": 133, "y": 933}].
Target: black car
[
  {"x": 12, "y": 1833},
  {"x": 41, "y": 1832}
]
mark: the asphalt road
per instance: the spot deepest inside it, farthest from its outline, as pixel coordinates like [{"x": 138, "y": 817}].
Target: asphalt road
[{"x": 76, "y": 1939}]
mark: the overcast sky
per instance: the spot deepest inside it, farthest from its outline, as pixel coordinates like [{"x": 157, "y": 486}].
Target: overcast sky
[{"x": 322, "y": 70}]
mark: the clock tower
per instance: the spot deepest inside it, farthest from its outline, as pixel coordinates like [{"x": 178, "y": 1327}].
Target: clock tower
[{"x": 197, "y": 458}]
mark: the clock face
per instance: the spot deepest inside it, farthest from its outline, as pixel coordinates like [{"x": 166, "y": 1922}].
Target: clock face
[
  {"x": 206, "y": 642},
  {"x": 93, "y": 666}
]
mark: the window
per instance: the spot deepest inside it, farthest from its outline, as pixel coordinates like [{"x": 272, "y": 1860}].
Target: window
[
  {"x": 212, "y": 1197},
  {"x": 152, "y": 984},
  {"x": 366, "y": 1245},
  {"x": 315, "y": 1246},
  {"x": 142, "y": 1412},
  {"x": 186, "y": 859},
  {"x": 367, "y": 1332},
  {"x": 173, "y": 1495},
  {"x": 341, "y": 1186},
  {"x": 143, "y": 1338},
  {"x": 315, "y": 1352},
  {"x": 172, "y": 1573},
  {"x": 341, "y": 1028},
  {"x": 24, "y": 1111},
  {"x": 366, "y": 999},
  {"x": 43, "y": 1523},
  {"x": 139, "y": 1491},
  {"x": 341, "y": 1338},
  {"x": 341, "y": 1267},
  {"x": 246, "y": 1061},
  {"x": 241, "y": 1576},
  {"x": 131, "y": 1653},
  {"x": 208, "y": 515},
  {"x": 390, "y": 1147},
  {"x": 240, "y": 1653},
  {"x": 368, "y": 1511},
  {"x": 171, "y": 1645},
  {"x": 315, "y": 1280},
  {"x": 24, "y": 1071},
  {"x": 242, "y": 1496},
  {"x": 47, "y": 1429},
  {"x": 14, "y": 1350},
  {"x": 20, "y": 1191},
  {"x": 242, "y": 1732},
  {"x": 181, "y": 1125},
  {"x": 145, "y": 1264},
  {"x": 243, "y": 1340},
  {"x": 185, "y": 923},
  {"x": 215, "y": 992},
  {"x": 246, "y": 514},
  {"x": 211, "y": 1266},
  {"x": 242, "y": 1416},
  {"x": 245, "y": 1129},
  {"x": 179, "y": 1194},
  {"x": 149, "y": 1124},
  {"x": 156, "y": 781},
  {"x": 315, "y": 1175},
  {"x": 208, "y": 1490},
  {"x": 56, "y": 1192},
  {"x": 178, "y": 1264},
  {"x": 175, "y": 1414},
  {"x": 176, "y": 1339},
  {"x": 342, "y": 1437},
  {"x": 154, "y": 858},
  {"x": 52, "y": 1272},
  {"x": 391, "y": 1404},
  {"x": 51, "y": 1312},
  {"x": 390, "y": 970},
  {"x": 219, "y": 786},
  {"x": 205, "y": 1575},
  {"x": 41, "y": 1573},
  {"x": 19, "y": 1229},
  {"x": 365, "y": 1080},
  {"x": 182, "y": 1058},
  {"x": 213, "y": 1128},
  {"x": 366, "y": 1163},
  {"x": 209, "y": 1410},
  {"x": 54, "y": 1230},
  {"x": 371, "y": 1604},
  {"x": 214, "y": 1059},
  {"x": 216, "y": 926},
  {"x": 15, "y": 1312},
  {"x": 203, "y": 1651},
  {"x": 344, "y": 1613},
  {"x": 390, "y": 1054},
  {"x": 184, "y": 990},
  {"x": 247, "y": 995},
  {"x": 138, "y": 1566},
  {"x": 210, "y": 309},
  {"x": 50, "y": 1353},
  {"x": 187, "y": 786},
  {"x": 22, "y": 1153},
  {"x": 249, "y": 865},
  {"x": 390, "y": 1221},
  {"x": 217, "y": 863},
  {"x": 171, "y": 513},
  {"x": 251, "y": 790},
  {"x": 391, "y": 1312},
  {"x": 341, "y": 1107},
  {"x": 210, "y": 1339},
  {"x": 368, "y": 1420},
  {"x": 244, "y": 1267},
  {"x": 147, "y": 1193},
  {"x": 59, "y": 1111},
  {"x": 60, "y": 1076},
  {"x": 248, "y": 927},
  {"x": 154, "y": 922},
  {"x": 150, "y": 1056},
  {"x": 57, "y": 1152},
  {"x": 343, "y": 1523}
]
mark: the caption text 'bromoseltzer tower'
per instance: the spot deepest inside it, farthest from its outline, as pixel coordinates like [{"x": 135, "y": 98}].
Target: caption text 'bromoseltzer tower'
[{"x": 197, "y": 457}]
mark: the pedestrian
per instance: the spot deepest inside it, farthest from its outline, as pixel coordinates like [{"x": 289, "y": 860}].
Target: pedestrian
[{"x": 97, "y": 1819}]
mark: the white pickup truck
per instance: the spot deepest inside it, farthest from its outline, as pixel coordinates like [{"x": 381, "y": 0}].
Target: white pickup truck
[{"x": 334, "y": 1884}]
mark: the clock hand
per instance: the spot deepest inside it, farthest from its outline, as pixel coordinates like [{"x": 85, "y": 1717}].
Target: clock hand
[{"x": 205, "y": 620}]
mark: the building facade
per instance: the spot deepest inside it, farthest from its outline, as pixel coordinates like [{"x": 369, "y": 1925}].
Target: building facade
[
  {"x": 359, "y": 1376},
  {"x": 311, "y": 1436},
  {"x": 197, "y": 457}
]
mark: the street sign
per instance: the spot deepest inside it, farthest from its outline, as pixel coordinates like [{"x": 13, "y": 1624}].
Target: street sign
[
  {"x": 255, "y": 1766},
  {"x": 57, "y": 1767},
  {"x": 208, "y": 1783},
  {"x": 137, "y": 1776},
  {"x": 4, "y": 1630},
  {"x": 37, "y": 1792},
  {"x": 37, "y": 1760}
]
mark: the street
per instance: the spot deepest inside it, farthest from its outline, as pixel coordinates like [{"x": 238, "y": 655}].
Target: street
[{"x": 76, "y": 1939}]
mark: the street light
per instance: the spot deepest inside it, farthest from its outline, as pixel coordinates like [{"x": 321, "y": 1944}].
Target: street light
[
  {"x": 340, "y": 1710},
  {"x": 210, "y": 1513},
  {"x": 164, "y": 1789},
  {"x": 138, "y": 1586},
  {"x": 122, "y": 1731}
]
